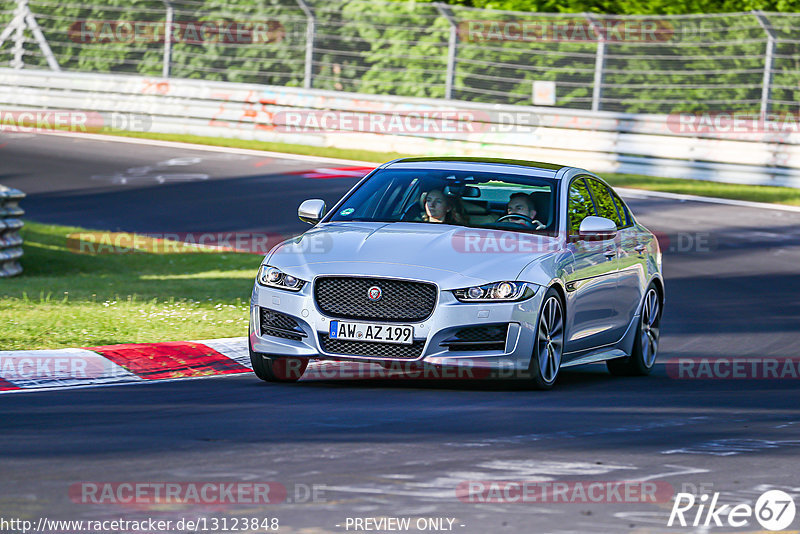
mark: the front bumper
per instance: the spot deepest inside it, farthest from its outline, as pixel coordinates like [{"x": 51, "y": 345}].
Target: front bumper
[{"x": 448, "y": 317}]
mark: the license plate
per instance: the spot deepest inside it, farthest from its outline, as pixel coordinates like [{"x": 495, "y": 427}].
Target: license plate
[{"x": 383, "y": 333}]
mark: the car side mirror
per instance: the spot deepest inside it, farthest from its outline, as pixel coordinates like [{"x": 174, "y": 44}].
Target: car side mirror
[
  {"x": 311, "y": 211},
  {"x": 597, "y": 228}
]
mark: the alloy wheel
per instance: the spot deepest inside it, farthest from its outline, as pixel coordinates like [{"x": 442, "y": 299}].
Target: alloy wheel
[
  {"x": 550, "y": 339},
  {"x": 651, "y": 317}
]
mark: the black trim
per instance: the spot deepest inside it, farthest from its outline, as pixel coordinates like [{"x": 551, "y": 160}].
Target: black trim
[
  {"x": 495, "y": 161},
  {"x": 611, "y": 193},
  {"x": 629, "y": 219},
  {"x": 574, "y": 237}
]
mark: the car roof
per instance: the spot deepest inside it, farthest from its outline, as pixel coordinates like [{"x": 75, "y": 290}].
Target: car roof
[{"x": 499, "y": 165}]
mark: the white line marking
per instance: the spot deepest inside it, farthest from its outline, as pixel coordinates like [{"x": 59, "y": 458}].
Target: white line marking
[
  {"x": 682, "y": 471},
  {"x": 731, "y": 447},
  {"x": 643, "y": 193}
]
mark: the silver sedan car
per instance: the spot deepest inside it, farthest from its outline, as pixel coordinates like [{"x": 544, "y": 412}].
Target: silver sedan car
[{"x": 512, "y": 268}]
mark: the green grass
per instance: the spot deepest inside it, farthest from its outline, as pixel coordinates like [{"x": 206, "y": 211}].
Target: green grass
[
  {"x": 65, "y": 299},
  {"x": 303, "y": 150},
  {"x": 756, "y": 193}
]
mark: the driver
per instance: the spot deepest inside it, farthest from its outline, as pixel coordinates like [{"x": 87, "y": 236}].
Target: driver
[
  {"x": 441, "y": 208},
  {"x": 522, "y": 204}
]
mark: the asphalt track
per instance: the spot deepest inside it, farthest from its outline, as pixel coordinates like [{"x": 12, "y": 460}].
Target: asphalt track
[{"x": 400, "y": 448}]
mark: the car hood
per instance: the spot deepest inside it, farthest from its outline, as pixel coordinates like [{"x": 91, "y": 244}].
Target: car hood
[{"x": 450, "y": 256}]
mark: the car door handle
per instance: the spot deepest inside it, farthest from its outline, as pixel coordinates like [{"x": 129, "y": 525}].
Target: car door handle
[
  {"x": 610, "y": 253},
  {"x": 640, "y": 248}
]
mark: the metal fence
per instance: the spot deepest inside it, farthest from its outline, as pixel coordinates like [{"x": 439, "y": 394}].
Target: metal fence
[
  {"x": 10, "y": 240},
  {"x": 744, "y": 62}
]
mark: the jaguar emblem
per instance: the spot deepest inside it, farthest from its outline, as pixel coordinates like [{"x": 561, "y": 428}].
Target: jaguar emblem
[{"x": 374, "y": 294}]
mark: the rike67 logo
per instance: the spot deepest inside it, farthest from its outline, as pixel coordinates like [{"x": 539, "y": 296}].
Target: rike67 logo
[{"x": 774, "y": 510}]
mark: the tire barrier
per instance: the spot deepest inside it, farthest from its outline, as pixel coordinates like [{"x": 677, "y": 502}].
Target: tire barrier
[{"x": 10, "y": 225}]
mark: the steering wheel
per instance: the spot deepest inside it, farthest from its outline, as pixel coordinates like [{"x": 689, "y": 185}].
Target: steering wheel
[{"x": 533, "y": 223}]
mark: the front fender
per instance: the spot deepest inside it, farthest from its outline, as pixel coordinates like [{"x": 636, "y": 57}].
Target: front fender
[{"x": 548, "y": 269}]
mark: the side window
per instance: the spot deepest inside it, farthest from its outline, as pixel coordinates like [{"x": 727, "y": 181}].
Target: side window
[
  {"x": 623, "y": 211},
  {"x": 605, "y": 203},
  {"x": 580, "y": 205}
]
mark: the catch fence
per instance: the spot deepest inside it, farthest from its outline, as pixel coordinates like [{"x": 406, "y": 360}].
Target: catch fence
[{"x": 743, "y": 62}]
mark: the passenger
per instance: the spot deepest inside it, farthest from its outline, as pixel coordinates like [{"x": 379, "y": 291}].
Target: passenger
[
  {"x": 441, "y": 208},
  {"x": 522, "y": 204}
]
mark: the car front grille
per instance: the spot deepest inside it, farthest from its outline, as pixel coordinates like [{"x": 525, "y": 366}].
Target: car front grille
[
  {"x": 478, "y": 338},
  {"x": 401, "y": 301},
  {"x": 374, "y": 350},
  {"x": 279, "y": 324}
]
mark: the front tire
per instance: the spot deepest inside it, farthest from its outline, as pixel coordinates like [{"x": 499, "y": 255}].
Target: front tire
[
  {"x": 645, "y": 346},
  {"x": 549, "y": 343},
  {"x": 277, "y": 368}
]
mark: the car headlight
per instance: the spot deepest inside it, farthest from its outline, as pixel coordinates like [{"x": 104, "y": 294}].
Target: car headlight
[
  {"x": 274, "y": 277},
  {"x": 496, "y": 292}
]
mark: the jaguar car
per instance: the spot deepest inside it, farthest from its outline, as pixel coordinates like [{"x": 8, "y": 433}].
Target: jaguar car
[{"x": 513, "y": 268}]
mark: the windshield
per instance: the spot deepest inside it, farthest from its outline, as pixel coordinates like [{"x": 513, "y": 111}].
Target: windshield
[{"x": 473, "y": 199}]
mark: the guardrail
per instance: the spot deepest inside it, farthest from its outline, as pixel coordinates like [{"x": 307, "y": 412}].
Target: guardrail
[
  {"x": 764, "y": 152},
  {"x": 10, "y": 223}
]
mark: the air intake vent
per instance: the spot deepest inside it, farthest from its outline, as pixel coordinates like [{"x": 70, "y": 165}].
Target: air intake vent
[
  {"x": 367, "y": 349},
  {"x": 478, "y": 338},
  {"x": 279, "y": 324}
]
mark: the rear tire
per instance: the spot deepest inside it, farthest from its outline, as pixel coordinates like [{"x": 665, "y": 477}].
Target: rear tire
[
  {"x": 548, "y": 347},
  {"x": 645, "y": 346},
  {"x": 277, "y": 368}
]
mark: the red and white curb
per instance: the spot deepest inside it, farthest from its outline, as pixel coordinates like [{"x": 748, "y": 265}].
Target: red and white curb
[
  {"x": 327, "y": 173},
  {"x": 142, "y": 363},
  {"x": 122, "y": 364}
]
